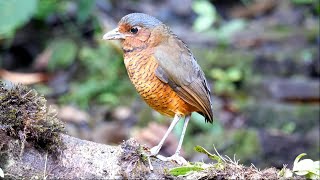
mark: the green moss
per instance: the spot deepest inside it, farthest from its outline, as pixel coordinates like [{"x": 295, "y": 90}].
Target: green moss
[{"x": 25, "y": 116}]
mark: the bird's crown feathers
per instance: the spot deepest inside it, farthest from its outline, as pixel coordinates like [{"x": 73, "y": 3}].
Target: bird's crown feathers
[{"x": 140, "y": 19}]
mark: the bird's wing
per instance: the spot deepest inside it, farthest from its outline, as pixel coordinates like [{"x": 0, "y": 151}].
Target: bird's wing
[{"x": 179, "y": 69}]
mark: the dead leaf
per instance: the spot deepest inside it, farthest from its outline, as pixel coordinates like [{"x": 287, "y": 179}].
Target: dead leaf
[{"x": 23, "y": 78}]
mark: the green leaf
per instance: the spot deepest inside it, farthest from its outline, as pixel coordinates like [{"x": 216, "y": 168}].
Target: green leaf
[
  {"x": 288, "y": 127},
  {"x": 218, "y": 73},
  {"x": 316, "y": 165},
  {"x": 298, "y": 158},
  {"x": 234, "y": 74},
  {"x": 207, "y": 15},
  {"x": 303, "y": 167},
  {"x": 15, "y": 13},
  {"x": 183, "y": 170},
  {"x": 63, "y": 54},
  {"x": 315, "y": 168},
  {"x": 221, "y": 87},
  {"x": 203, "y": 23},
  {"x": 306, "y": 167},
  {"x": 203, "y": 7},
  {"x": 200, "y": 149}
]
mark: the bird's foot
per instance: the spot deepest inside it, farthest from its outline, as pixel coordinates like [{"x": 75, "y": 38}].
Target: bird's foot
[{"x": 176, "y": 157}]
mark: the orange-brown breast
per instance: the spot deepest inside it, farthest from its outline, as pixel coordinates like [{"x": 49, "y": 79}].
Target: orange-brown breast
[{"x": 158, "y": 95}]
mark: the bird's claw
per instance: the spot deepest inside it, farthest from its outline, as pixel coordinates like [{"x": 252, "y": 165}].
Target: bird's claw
[
  {"x": 154, "y": 151},
  {"x": 150, "y": 165}
]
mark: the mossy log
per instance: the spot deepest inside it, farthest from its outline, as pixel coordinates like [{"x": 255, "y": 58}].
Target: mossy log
[{"x": 33, "y": 145}]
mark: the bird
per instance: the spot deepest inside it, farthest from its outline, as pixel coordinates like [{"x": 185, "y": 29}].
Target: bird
[{"x": 164, "y": 72}]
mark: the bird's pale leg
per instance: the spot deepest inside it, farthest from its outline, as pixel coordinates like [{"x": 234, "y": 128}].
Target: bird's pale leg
[
  {"x": 176, "y": 155},
  {"x": 155, "y": 150},
  {"x": 186, "y": 121}
]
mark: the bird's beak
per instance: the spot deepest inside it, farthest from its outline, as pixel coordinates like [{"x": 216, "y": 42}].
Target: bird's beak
[{"x": 114, "y": 34}]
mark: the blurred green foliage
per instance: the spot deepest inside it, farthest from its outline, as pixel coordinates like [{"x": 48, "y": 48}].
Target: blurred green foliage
[
  {"x": 15, "y": 13},
  {"x": 224, "y": 32},
  {"x": 228, "y": 70},
  {"x": 314, "y": 3},
  {"x": 100, "y": 71},
  {"x": 208, "y": 20},
  {"x": 225, "y": 79},
  {"x": 243, "y": 143},
  {"x": 102, "y": 77},
  {"x": 207, "y": 15},
  {"x": 46, "y": 8},
  {"x": 64, "y": 52},
  {"x": 275, "y": 116},
  {"x": 59, "y": 7}
]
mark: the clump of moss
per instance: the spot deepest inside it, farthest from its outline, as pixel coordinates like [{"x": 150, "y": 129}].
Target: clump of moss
[
  {"x": 132, "y": 160},
  {"x": 24, "y": 115}
]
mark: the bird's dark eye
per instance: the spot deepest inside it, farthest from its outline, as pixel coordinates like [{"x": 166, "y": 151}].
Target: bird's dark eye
[{"x": 134, "y": 30}]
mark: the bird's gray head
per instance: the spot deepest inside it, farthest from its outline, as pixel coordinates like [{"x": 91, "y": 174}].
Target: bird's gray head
[
  {"x": 140, "y": 19},
  {"x": 136, "y": 29}
]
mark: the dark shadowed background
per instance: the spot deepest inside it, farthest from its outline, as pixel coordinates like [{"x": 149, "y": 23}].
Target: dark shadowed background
[{"x": 261, "y": 58}]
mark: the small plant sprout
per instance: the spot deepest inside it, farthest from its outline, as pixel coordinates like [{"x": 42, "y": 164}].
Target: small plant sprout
[{"x": 306, "y": 167}]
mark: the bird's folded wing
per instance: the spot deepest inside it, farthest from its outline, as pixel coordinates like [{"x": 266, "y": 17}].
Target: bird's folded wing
[{"x": 179, "y": 69}]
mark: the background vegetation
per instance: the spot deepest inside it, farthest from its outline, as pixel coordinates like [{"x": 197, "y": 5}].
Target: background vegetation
[{"x": 260, "y": 57}]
